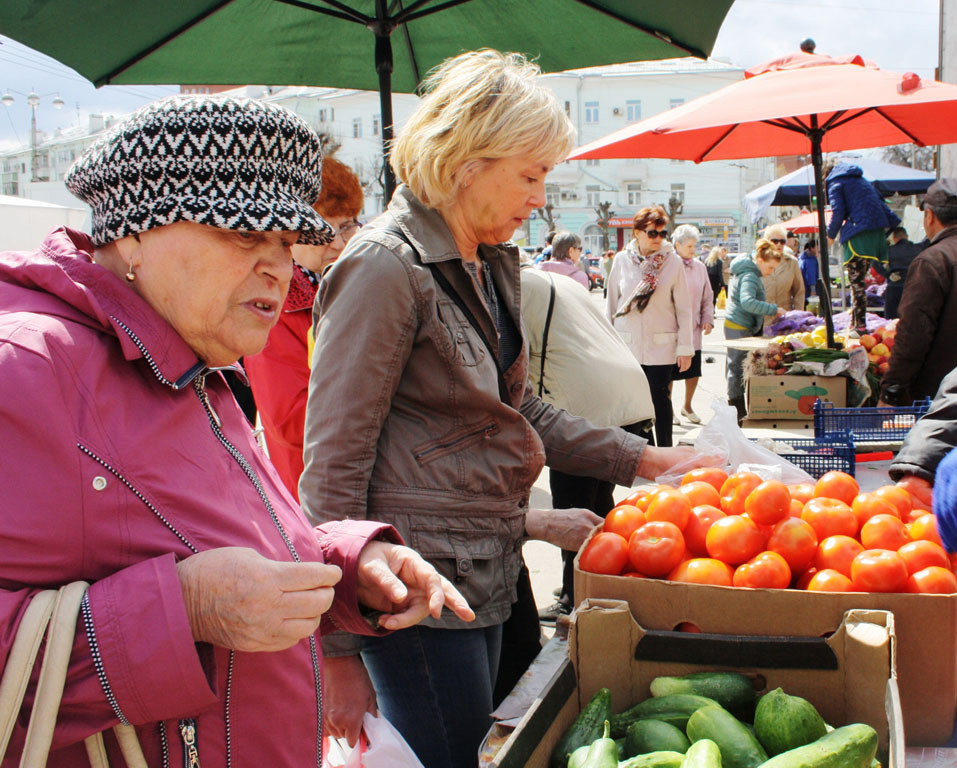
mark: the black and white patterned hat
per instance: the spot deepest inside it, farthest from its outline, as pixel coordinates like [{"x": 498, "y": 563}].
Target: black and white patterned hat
[{"x": 232, "y": 163}]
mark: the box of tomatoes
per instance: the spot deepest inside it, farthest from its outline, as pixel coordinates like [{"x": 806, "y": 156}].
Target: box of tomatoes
[
  {"x": 740, "y": 555},
  {"x": 848, "y": 677}
]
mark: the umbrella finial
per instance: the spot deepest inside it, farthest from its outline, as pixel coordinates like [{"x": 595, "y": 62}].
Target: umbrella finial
[{"x": 910, "y": 81}]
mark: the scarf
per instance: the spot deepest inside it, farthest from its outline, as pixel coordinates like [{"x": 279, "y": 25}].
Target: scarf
[{"x": 648, "y": 280}]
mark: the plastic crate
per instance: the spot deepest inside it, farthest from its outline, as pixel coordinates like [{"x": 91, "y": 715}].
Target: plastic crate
[
  {"x": 867, "y": 425},
  {"x": 819, "y": 456}
]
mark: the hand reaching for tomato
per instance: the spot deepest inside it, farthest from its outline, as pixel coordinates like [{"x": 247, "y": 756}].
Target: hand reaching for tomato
[
  {"x": 679, "y": 459},
  {"x": 565, "y": 528}
]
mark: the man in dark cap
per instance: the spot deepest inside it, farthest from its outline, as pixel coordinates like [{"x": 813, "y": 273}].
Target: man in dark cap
[
  {"x": 899, "y": 257},
  {"x": 808, "y": 45},
  {"x": 924, "y": 351}
]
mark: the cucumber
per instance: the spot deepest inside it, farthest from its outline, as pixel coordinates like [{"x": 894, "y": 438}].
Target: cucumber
[
  {"x": 587, "y": 727},
  {"x": 731, "y": 690},
  {"x": 853, "y": 746},
  {"x": 674, "y": 709},
  {"x": 783, "y": 722},
  {"x": 654, "y": 760},
  {"x": 702, "y": 754},
  {"x": 739, "y": 747},
  {"x": 645, "y": 736}
]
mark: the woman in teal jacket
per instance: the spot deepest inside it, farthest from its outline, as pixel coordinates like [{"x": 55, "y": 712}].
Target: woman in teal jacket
[{"x": 745, "y": 312}]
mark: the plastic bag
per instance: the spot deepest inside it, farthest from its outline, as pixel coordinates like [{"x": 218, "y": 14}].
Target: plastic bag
[
  {"x": 380, "y": 746},
  {"x": 723, "y": 437}
]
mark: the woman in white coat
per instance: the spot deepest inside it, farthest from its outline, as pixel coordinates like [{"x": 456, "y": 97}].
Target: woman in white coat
[{"x": 649, "y": 305}]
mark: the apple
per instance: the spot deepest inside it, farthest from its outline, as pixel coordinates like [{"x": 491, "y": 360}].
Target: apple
[
  {"x": 881, "y": 350},
  {"x": 883, "y": 368},
  {"x": 868, "y": 341}
]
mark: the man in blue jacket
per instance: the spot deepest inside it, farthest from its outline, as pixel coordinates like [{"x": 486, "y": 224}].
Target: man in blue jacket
[
  {"x": 863, "y": 219},
  {"x": 809, "y": 268}
]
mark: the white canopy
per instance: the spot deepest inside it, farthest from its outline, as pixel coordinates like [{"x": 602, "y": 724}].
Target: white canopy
[{"x": 24, "y": 223}]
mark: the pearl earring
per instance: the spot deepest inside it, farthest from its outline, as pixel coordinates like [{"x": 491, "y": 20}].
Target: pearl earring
[{"x": 130, "y": 277}]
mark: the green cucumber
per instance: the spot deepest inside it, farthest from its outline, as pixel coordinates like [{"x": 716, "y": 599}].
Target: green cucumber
[
  {"x": 852, "y": 746},
  {"x": 645, "y": 736},
  {"x": 674, "y": 709},
  {"x": 783, "y": 722},
  {"x": 654, "y": 760},
  {"x": 731, "y": 690},
  {"x": 587, "y": 728},
  {"x": 702, "y": 754},
  {"x": 739, "y": 747}
]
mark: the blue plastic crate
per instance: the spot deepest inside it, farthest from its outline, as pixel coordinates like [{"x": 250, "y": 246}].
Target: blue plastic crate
[
  {"x": 868, "y": 425},
  {"x": 819, "y": 456}
]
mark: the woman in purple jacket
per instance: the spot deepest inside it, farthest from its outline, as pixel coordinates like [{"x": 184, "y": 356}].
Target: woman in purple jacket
[{"x": 129, "y": 465}]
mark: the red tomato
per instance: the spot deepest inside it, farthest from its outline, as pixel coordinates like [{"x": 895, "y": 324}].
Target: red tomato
[
  {"x": 669, "y": 506},
  {"x": 829, "y": 581},
  {"x": 768, "y": 570},
  {"x": 734, "y": 539},
  {"x": 687, "y": 626},
  {"x": 925, "y": 527},
  {"x": 884, "y": 532},
  {"x": 797, "y": 507},
  {"x": 656, "y": 548},
  {"x": 894, "y": 494},
  {"x": 921, "y": 492},
  {"x": 836, "y": 553},
  {"x": 634, "y": 497},
  {"x": 829, "y": 517},
  {"x": 866, "y": 505},
  {"x": 879, "y": 570},
  {"x": 923, "y": 554},
  {"x": 932, "y": 580},
  {"x": 803, "y": 492},
  {"x": 700, "y": 492},
  {"x": 711, "y": 475},
  {"x": 736, "y": 489},
  {"x": 624, "y": 520},
  {"x": 768, "y": 503},
  {"x": 795, "y": 540},
  {"x": 697, "y": 528},
  {"x": 805, "y": 578},
  {"x": 606, "y": 553},
  {"x": 703, "y": 570},
  {"x": 837, "y": 485}
]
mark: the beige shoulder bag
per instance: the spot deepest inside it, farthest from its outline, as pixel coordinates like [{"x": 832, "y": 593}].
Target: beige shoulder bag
[{"x": 53, "y": 613}]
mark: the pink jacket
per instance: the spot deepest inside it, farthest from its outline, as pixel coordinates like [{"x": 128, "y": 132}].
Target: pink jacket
[
  {"x": 565, "y": 267},
  {"x": 699, "y": 290},
  {"x": 123, "y": 454}
]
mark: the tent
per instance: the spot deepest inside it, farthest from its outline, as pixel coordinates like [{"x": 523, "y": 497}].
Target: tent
[{"x": 24, "y": 223}]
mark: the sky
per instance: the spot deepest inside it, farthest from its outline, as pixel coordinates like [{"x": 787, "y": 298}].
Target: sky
[{"x": 899, "y": 35}]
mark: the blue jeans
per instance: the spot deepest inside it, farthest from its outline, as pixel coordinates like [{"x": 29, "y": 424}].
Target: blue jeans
[
  {"x": 735, "y": 365},
  {"x": 435, "y": 686}
]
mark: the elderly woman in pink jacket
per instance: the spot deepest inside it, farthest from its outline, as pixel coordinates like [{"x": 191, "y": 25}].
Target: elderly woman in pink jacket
[
  {"x": 649, "y": 305},
  {"x": 129, "y": 465}
]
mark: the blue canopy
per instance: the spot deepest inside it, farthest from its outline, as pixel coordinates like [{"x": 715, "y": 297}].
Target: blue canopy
[{"x": 797, "y": 187}]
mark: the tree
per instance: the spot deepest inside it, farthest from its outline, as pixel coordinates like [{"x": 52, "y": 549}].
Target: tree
[
  {"x": 547, "y": 217},
  {"x": 904, "y": 154},
  {"x": 604, "y": 213}
]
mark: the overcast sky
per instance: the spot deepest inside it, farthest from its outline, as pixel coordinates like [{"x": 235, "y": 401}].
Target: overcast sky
[{"x": 898, "y": 35}]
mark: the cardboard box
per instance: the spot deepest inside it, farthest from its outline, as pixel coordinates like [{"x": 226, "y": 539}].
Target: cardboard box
[
  {"x": 792, "y": 397},
  {"x": 607, "y": 648},
  {"x": 926, "y": 630}
]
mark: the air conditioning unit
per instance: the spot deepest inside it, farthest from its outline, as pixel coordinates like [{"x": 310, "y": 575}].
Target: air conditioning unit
[{"x": 616, "y": 111}]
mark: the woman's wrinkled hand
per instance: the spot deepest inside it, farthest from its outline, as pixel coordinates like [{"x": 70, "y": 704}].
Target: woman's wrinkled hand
[
  {"x": 236, "y": 598},
  {"x": 565, "y": 528},
  {"x": 397, "y": 581},
  {"x": 684, "y": 363},
  {"x": 347, "y": 695},
  {"x": 659, "y": 461}
]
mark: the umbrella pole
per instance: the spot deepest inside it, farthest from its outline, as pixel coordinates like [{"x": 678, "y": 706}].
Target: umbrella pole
[
  {"x": 817, "y": 160},
  {"x": 383, "y": 65}
]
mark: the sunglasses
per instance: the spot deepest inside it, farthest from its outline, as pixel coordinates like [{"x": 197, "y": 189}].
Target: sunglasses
[
  {"x": 656, "y": 233},
  {"x": 778, "y": 240}
]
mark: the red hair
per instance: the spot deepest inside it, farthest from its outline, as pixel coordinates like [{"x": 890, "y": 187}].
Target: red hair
[
  {"x": 341, "y": 194},
  {"x": 652, "y": 214}
]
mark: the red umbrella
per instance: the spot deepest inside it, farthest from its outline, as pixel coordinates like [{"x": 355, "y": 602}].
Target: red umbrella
[
  {"x": 806, "y": 222},
  {"x": 786, "y": 106}
]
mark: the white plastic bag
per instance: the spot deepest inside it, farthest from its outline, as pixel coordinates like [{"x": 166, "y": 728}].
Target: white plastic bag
[
  {"x": 723, "y": 437},
  {"x": 381, "y": 746}
]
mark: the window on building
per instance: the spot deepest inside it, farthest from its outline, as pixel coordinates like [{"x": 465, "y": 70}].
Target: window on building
[
  {"x": 375, "y": 125},
  {"x": 591, "y": 112},
  {"x": 633, "y": 110},
  {"x": 323, "y": 115},
  {"x": 678, "y": 190},
  {"x": 592, "y": 195},
  {"x": 552, "y": 194},
  {"x": 633, "y": 188},
  {"x": 568, "y": 108},
  {"x": 591, "y": 240},
  {"x": 357, "y": 128},
  {"x": 591, "y": 161},
  {"x": 676, "y": 103}
]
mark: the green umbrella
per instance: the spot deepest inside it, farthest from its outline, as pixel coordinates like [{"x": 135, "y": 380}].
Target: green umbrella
[{"x": 327, "y": 42}]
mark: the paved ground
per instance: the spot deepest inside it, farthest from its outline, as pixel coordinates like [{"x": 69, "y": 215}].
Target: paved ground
[{"x": 544, "y": 561}]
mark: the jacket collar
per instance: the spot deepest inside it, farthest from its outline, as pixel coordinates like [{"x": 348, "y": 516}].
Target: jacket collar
[{"x": 64, "y": 267}]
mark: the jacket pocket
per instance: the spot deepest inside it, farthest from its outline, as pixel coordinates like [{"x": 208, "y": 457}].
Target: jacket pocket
[
  {"x": 454, "y": 442},
  {"x": 467, "y": 348},
  {"x": 666, "y": 337}
]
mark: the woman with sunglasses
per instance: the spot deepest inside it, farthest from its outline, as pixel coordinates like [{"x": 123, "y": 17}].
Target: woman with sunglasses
[
  {"x": 650, "y": 307},
  {"x": 784, "y": 287}
]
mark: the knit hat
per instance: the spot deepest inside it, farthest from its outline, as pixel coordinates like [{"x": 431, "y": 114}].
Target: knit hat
[{"x": 232, "y": 163}]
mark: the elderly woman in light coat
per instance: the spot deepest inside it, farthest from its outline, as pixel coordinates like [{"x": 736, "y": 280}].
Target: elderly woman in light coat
[
  {"x": 785, "y": 285},
  {"x": 685, "y": 240},
  {"x": 566, "y": 258},
  {"x": 649, "y": 305}
]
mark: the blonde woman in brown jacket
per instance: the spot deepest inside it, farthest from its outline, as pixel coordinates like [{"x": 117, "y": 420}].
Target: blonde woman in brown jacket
[{"x": 784, "y": 286}]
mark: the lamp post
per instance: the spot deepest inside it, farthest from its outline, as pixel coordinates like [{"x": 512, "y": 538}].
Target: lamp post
[{"x": 33, "y": 100}]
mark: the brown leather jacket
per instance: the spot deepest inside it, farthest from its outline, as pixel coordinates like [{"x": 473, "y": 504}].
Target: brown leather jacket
[{"x": 405, "y": 423}]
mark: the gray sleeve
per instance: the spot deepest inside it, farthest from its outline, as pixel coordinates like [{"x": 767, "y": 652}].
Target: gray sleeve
[{"x": 932, "y": 437}]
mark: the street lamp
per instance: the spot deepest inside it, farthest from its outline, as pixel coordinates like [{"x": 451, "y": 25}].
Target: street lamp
[{"x": 33, "y": 100}]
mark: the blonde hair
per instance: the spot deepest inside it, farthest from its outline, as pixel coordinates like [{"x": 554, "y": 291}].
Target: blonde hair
[
  {"x": 764, "y": 249},
  {"x": 777, "y": 230},
  {"x": 715, "y": 256},
  {"x": 480, "y": 105}
]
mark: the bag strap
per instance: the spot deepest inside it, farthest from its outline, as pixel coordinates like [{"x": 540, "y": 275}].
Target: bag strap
[{"x": 548, "y": 322}]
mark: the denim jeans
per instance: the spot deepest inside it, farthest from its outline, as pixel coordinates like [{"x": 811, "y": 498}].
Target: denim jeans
[
  {"x": 435, "y": 687},
  {"x": 735, "y": 364}
]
